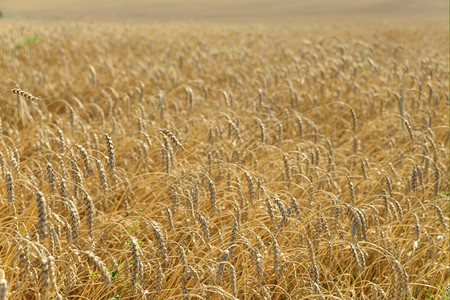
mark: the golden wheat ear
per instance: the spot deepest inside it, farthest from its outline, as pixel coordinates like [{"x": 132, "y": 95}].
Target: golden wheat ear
[{"x": 25, "y": 94}]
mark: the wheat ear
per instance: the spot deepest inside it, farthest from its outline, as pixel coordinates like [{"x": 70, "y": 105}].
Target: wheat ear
[{"x": 25, "y": 94}]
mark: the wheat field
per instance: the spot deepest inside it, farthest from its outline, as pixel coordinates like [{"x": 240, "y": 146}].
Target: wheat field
[{"x": 168, "y": 161}]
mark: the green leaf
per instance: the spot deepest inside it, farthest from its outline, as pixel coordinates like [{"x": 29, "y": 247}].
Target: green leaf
[
  {"x": 94, "y": 273},
  {"x": 25, "y": 41},
  {"x": 445, "y": 193}
]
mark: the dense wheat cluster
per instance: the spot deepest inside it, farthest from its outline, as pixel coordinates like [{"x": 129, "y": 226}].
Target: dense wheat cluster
[{"x": 223, "y": 162}]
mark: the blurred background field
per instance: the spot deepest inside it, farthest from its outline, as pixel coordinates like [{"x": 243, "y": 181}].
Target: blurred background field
[{"x": 234, "y": 10}]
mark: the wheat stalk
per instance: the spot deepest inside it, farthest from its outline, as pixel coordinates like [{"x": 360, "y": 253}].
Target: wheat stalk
[
  {"x": 172, "y": 137},
  {"x": 3, "y": 286},
  {"x": 98, "y": 264},
  {"x": 10, "y": 188}
]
